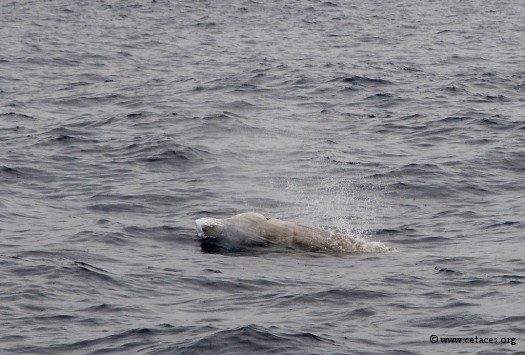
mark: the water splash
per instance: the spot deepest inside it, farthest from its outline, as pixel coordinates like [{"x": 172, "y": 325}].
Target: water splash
[{"x": 339, "y": 205}]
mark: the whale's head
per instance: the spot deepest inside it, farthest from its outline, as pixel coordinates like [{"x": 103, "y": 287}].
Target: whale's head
[
  {"x": 242, "y": 229},
  {"x": 210, "y": 227}
]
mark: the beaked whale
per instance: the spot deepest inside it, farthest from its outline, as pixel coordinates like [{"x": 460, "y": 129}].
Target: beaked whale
[{"x": 254, "y": 229}]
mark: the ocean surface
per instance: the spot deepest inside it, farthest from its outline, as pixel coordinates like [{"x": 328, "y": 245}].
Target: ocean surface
[{"x": 400, "y": 122}]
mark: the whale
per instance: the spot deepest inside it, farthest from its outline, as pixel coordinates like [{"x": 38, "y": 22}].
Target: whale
[{"x": 252, "y": 229}]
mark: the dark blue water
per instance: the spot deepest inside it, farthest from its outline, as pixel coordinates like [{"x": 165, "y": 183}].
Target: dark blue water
[{"x": 121, "y": 122}]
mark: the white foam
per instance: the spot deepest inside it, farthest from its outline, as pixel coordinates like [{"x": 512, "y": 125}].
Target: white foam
[{"x": 375, "y": 247}]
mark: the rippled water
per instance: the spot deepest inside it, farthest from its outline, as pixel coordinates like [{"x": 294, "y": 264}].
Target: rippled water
[{"x": 121, "y": 122}]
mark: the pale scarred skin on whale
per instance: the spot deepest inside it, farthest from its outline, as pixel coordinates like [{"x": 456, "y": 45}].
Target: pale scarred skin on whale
[{"x": 284, "y": 233}]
